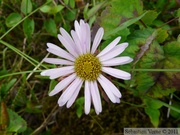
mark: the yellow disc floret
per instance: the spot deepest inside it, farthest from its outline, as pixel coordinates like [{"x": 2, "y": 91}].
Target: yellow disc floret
[{"x": 87, "y": 67}]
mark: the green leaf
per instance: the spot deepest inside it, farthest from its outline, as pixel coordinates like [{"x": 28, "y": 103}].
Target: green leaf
[
  {"x": 161, "y": 35},
  {"x": 72, "y": 3},
  {"x": 153, "y": 115},
  {"x": 53, "y": 83},
  {"x": 50, "y": 26},
  {"x": 66, "y": 2},
  {"x": 6, "y": 87},
  {"x": 51, "y": 9},
  {"x": 94, "y": 9},
  {"x": 154, "y": 104},
  {"x": 70, "y": 15},
  {"x": 45, "y": 8},
  {"x": 17, "y": 123},
  {"x": 123, "y": 26},
  {"x": 149, "y": 17},
  {"x": 79, "y": 103},
  {"x": 147, "y": 54},
  {"x": 28, "y": 27},
  {"x": 26, "y": 6},
  {"x": 123, "y": 16},
  {"x": 56, "y": 9},
  {"x": 13, "y": 19}
]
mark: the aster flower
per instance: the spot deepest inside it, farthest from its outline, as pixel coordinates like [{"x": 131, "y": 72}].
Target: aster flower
[{"x": 80, "y": 65}]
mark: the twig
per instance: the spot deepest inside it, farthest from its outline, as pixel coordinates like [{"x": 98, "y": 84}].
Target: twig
[{"x": 45, "y": 123}]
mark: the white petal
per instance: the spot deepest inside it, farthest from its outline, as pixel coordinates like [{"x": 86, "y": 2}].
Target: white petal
[
  {"x": 117, "y": 100},
  {"x": 77, "y": 28},
  {"x": 83, "y": 35},
  {"x": 112, "y": 87},
  {"x": 62, "y": 84},
  {"x": 97, "y": 39},
  {"x": 68, "y": 38},
  {"x": 114, "y": 52},
  {"x": 74, "y": 96},
  {"x": 68, "y": 46},
  {"x": 88, "y": 40},
  {"x": 53, "y": 46},
  {"x": 109, "y": 47},
  {"x": 108, "y": 90},
  {"x": 67, "y": 94},
  {"x": 58, "y": 61},
  {"x": 87, "y": 97},
  {"x": 59, "y": 52},
  {"x": 96, "y": 97},
  {"x": 77, "y": 42},
  {"x": 117, "y": 73},
  {"x": 117, "y": 61},
  {"x": 58, "y": 72}
]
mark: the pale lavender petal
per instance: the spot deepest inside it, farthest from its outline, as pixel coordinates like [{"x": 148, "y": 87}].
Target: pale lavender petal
[
  {"x": 68, "y": 46},
  {"x": 88, "y": 40},
  {"x": 114, "y": 52},
  {"x": 68, "y": 38},
  {"x": 77, "y": 28},
  {"x": 59, "y": 52},
  {"x": 97, "y": 40},
  {"x": 107, "y": 90},
  {"x": 117, "y": 100},
  {"x": 58, "y": 61},
  {"x": 117, "y": 61},
  {"x": 83, "y": 35},
  {"x": 111, "y": 86},
  {"x": 62, "y": 84},
  {"x": 67, "y": 94},
  {"x": 117, "y": 73},
  {"x": 58, "y": 72},
  {"x": 109, "y": 47},
  {"x": 74, "y": 96},
  {"x": 87, "y": 97},
  {"x": 95, "y": 97},
  {"x": 77, "y": 42}
]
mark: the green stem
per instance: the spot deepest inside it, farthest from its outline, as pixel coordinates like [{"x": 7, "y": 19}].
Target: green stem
[
  {"x": 18, "y": 73},
  {"x": 154, "y": 70}
]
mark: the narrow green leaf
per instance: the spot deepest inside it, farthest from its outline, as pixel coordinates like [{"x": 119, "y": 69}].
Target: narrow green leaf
[
  {"x": 94, "y": 9},
  {"x": 28, "y": 27},
  {"x": 50, "y": 26},
  {"x": 153, "y": 115},
  {"x": 17, "y": 123},
  {"x": 26, "y": 6},
  {"x": 5, "y": 87},
  {"x": 123, "y": 26},
  {"x": 13, "y": 19}
]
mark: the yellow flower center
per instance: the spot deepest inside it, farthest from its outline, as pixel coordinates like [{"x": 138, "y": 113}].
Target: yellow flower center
[{"x": 87, "y": 67}]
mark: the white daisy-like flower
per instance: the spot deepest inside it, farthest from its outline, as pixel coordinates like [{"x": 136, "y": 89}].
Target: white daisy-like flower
[{"x": 81, "y": 65}]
